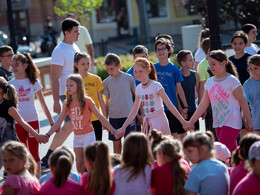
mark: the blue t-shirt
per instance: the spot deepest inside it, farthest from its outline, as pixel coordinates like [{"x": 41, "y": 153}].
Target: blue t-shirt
[
  {"x": 168, "y": 76},
  {"x": 252, "y": 94},
  {"x": 131, "y": 72},
  {"x": 74, "y": 176},
  {"x": 209, "y": 177}
]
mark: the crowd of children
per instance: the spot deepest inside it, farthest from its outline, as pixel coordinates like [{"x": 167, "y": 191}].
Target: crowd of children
[{"x": 157, "y": 99}]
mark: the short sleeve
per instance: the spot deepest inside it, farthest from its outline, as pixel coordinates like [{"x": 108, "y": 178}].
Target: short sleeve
[
  {"x": 206, "y": 86},
  {"x": 192, "y": 184},
  {"x": 90, "y": 103},
  {"x": 201, "y": 73},
  {"x": 37, "y": 87},
  {"x": 14, "y": 181},
  {"x": 57, "y": 58},
  {"x": 84, "y": 179},
  {"x": 106, "y": 90},
  {"x": 246, "y": 91},
  {"x": 7, "y": 105},
  {"x": 137, "y": 90},
  {"x": 132, "y": 83},
  {"x": 99, "y": 83},
  {"x": 158, "y": 87},
  {"x": 235, "y": 83}
]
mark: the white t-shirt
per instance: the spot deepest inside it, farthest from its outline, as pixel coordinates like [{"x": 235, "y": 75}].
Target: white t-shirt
[
  {"x": 63, "y": 55},
  {"x": 199, "y": 55},
  {"x": 253, "y": 49},
  {"x": 26, "y": 92},
  {"x": 226, "y": 110},
  {"x": 151, "y": 101}
]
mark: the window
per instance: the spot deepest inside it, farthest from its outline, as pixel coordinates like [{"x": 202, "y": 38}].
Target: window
[{"x": 156, "y": 8}]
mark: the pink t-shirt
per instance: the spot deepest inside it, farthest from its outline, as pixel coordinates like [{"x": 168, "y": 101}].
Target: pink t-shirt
[
  {"x": 69, "y": 188},
  {"x": 236, "y": 175},
  {"x": 84, "y": 182},
  {"x": 23, "y": 186},
  {"x": 250, "y": 184},
  {"x": 81, "y": 121}
]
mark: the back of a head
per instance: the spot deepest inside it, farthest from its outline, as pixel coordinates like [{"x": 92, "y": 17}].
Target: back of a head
[
  {"x": 133, "y": 156},
  {"x": 203, "y": 35},
  {"x": 60, "y": 163},
  {"x": 247, "y": 27},
  {"x": 205, "y": 45},
  {"x": 112, "y": 59},
  {"x": 140, "y": 49},
  {"x": 198, "y": 139},
  {"x": 246, "y": 142},
  {"x": 68, "y": 23}
]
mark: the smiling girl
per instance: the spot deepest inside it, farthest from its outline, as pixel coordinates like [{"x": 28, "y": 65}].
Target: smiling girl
[
  {"x": 225, "y": 94},
  {"x": 251, "y": 32},
  {"x": 79, "y": 107}
]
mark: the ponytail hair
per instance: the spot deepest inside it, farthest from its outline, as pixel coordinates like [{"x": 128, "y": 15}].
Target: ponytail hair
[
  {"x": 19, "y": 150},
  {"x": 60, "y": 162},
  {"x": 100, "y": 172},
  {"x": 77, "y": 57},
  {"x": 167, "y": 147},
  {"x": 220, "y": 56},
  {"x": 144, "y": 63},
  {"x": 31, "y": 71},
  {"x": 9, "y": 92}
]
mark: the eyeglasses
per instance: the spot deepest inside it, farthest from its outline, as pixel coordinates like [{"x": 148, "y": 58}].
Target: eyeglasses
[
  {"x": 8, "y": 56},
  {"x": 162, "y": 49}
]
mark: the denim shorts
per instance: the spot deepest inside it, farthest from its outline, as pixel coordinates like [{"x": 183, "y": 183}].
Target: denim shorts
[{"x": 62, "y": 99}]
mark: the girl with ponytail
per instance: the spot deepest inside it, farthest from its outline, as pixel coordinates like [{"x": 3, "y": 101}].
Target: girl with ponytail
[
  {"x": 225, "y": 94},
  {"x": 98, "y": 179},
  {"x": 27, "y": 85},
  {"x": 60, "y": 163}
]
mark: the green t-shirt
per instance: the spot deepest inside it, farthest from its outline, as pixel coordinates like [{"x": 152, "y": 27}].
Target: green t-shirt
[{"x": 202, "y": 70}]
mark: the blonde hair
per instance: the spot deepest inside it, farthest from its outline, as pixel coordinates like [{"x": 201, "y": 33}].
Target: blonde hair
[
  {"x": 80, "y": 91},
  {"x": 20, "y": 151},
  {"x": 9, "y": 92},
  {"x": 31, "y": 71},
  {"x": 136, "y": 154},
  {"x": 100, "y": 172},
  {"x": 144, "y": 63}
]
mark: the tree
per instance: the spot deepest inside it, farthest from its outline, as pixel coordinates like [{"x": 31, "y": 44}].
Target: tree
[{"x": 81, "y": 8}]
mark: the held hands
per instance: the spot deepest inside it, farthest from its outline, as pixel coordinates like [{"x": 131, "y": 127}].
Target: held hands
[
  {"x": 42, "y": 138},
  {"x": 183, "y": 113},
  {"x": 119, "y": 133},
  {"x": 139, "y": 119},
  {"x": 188, "y": 126}
]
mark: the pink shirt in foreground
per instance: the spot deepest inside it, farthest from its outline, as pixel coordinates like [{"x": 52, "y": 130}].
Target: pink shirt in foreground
[
  {"x": 236, "y": 175},
  {"x": 250, "y": 184}
]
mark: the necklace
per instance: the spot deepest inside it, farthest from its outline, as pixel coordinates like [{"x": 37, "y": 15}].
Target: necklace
[{"x": 146, "y": 83}]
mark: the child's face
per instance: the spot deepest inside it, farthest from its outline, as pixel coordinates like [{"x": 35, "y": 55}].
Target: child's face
[
  {"x": 193, "y": 154},
  {"x": 71, "y": 87},
  {"x": 6, "y": 58},
  {"x": 83, "y": 65},
  {"x": 12, "y": 164},
  {"x": 254, "y": 71},
  {"x": 140, "y": 55},
  {"x": 238, "y": 45},
  {"x": 141, "y": 74},
  {"x": 18, "y": 67},
  {"x": 189, "y": 62},
  {"x": 217, "y": 68},
  {"x": 113, "y": 70},
  {"x": 252, "y": 34},
  {"x": 162, "y": 52}
]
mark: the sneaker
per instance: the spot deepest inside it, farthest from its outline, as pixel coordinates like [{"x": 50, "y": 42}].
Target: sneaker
[
  {"x": 44, "y": 166},
  {"x": 5, "y": 175}
]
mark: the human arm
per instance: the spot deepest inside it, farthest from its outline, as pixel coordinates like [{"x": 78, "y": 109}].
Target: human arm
[
  {"x": 55, "y": 127},
  {"x": 238, "y": 93},
  {"x": 201, "y": 90},
  {"x": 120, "y": 132},
  {"x": 90, "y": 50},
  {"x": 197, "y": 82},
  {"x": 55, "y": 75},
  {"x": 102, "y": 103},
  {"x": 44, "y": 107},
  {"x": 17, "y": 117},
  {"x": 181, "y": 94},
  {"x": 106, "y": 106}
]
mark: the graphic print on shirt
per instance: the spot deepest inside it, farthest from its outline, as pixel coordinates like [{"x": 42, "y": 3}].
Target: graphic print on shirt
[
  {"x": 163, "y": 77},
  {"x": 220, "y": 104},
  {"x": 76, "y": 118},
  {"x": 148, "y": 103},
  {"x": 23, "y": 93}
]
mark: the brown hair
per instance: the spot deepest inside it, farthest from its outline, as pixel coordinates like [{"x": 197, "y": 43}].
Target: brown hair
[
  {"x": 9, "y": 92},
  {"x": 220, "y": 56},
  {"x": 182, "y": 55},
  {"x": 112, "y": 58},
  {"x": 60, "y": 161},
  {"x": 136, "y": 154},
  {"x": 68, "y": 24},
  {"x": 146, "y": 64},
  {"x": 20, "y": 151},
  {"x": 80, "y": 91},
  {"x": 31, "y": 71},
  {"x": 255, "y": 59},
  {"x": 5, "y": 48},
  {"x": 203, "y": 35},
  {"x": 240, "y": 34},
  {"x": 205, "y": 45},
  {"x": 247, "y": 27},
  {"x": 77, "y": 57},
  {"x": 178, "y": 171},
  {"x": 165, "y": 42},
  {"x": 100, "y": 172}
]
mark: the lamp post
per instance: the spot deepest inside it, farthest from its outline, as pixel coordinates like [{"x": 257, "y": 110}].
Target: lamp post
[
  {"x": 11, "y": 25},
  {"x": 213, "y": 17}
]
